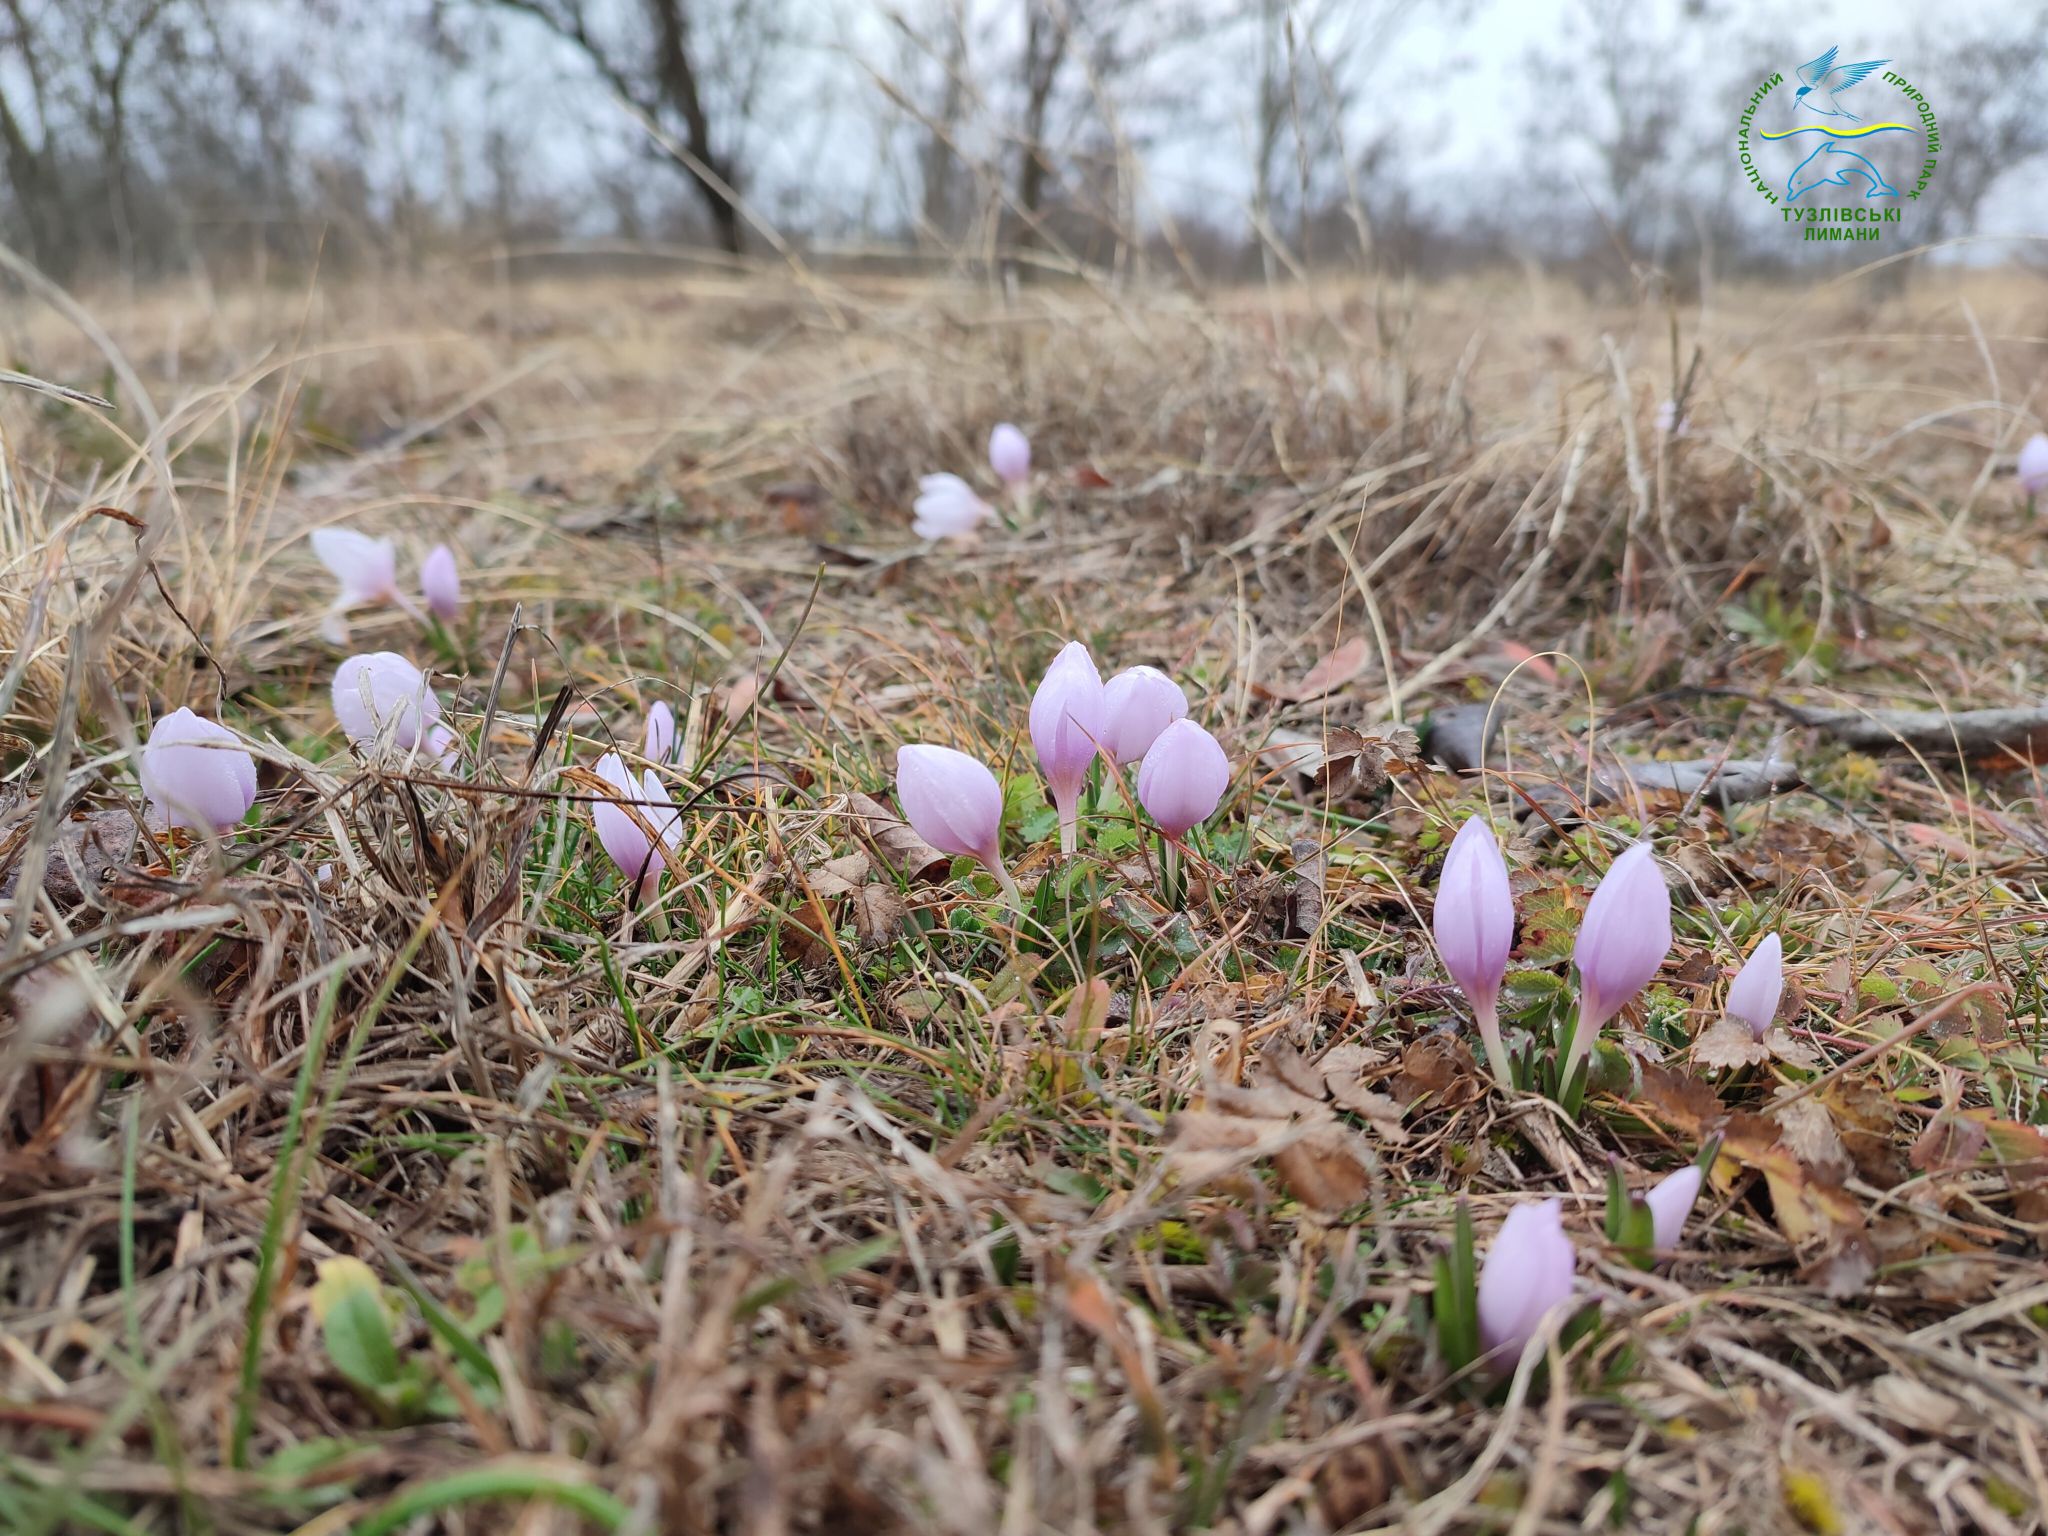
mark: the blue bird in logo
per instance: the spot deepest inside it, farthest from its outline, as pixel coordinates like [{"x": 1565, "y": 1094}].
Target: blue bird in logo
[{"x": 1823, "y": 80}]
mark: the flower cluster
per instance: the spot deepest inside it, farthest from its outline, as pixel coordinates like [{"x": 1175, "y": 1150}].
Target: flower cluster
[
  {"x": 366, "y": 570},
  {"x": 1529, "y": 1270},
  {"x": 1622, "y": 941},
  {"x": 947, "y": 507},
  {"x": 1139, "y": 716},
  {"x": 1621, "y": 944}
]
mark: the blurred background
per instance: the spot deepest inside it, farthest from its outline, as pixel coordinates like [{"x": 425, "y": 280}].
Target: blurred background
[{"x": 1190, "y": 140}]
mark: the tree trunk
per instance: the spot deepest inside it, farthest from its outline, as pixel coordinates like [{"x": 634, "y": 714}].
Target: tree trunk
[
  {"x": 678, "y": 79},
  {"x": 1045, "y": 44}
]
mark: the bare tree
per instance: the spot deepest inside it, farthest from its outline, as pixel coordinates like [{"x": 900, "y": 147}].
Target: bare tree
[
  {"x": 1986, "y": 85},
  {"x": 1643, "y": 132},
  {"x": 653, "y": 54},
  {"x": 1047, "y": 31}
]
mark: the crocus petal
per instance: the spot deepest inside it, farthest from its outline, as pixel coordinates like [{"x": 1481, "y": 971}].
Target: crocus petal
[
  {"x": 947, "y": 508},
  {"x": 195, "y": 773},
  {"x": 380, "y": 691},
  {"x": 1009, "y": 454},
  {"x": 620, "y": 834},
  {"x": 661, "y": 732},
  {"x": 1068, "y": 721},
  {"x": 2033, "y": 465},
  {"x": 1527, "y": 1273},
  {"x": 1183, "y": 778},
  {"x": 367, "y": 568},
  {"x": 952, "y": 801},
  {"x": 1670, "y": 1202},
  {"x": 440, "y": 582},
  {"x": 1474, "y": 920},
  {"x": 1625, "y": 935},
  {"x": 1759, "y": 986},
  {"x": 1138, "y": 703}
]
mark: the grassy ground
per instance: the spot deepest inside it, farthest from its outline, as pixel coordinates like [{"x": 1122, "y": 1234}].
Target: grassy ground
[{"x": 836, "y": 1197}]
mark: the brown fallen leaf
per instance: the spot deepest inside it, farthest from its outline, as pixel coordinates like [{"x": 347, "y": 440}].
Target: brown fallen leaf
[
  {"x": 1336, "y": 669},
  {"x": 1359, "y": 762},
  {"x": 898, "y": 847},
  {"x": 1726, "y": 1045},
  {"x": 840, "y": 876},
  {"x": 878, "y": 912},
  {"x": 2021, "y": 1152},
  {"x": 1794, "y": 1052},
  {"x": 1438, "y": 1067},
  {"x": 1809, "y": 1131},
  {"x": 1282, "y": 1064},
  {"x": 1305, "y": 889},
  {"x": 1329, "y": 1169}
]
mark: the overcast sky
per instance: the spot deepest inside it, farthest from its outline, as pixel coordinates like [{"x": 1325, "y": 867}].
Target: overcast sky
[{"x": 1470, "y": 122}]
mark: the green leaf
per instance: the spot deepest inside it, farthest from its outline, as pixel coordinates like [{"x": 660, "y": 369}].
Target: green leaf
[
  {"x": 355, "y": 1325},
  {"x": 1457, "y": 1296}
]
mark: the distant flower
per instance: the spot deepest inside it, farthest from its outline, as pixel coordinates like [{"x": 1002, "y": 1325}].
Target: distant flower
[
  {"x": 367, "y": 571},
  {"x": 661, "y": 732},
  {"x": 196, "y": 773},
  {"x": 1139, "y": 703},
  {"x": 1068, "y": 721},
  {"x": 1671, "y": 1201},
  {"x": 620, "y": 834},
  {"x": 367, "y": 568},
  {"x": 440, "y": 582},
  {"x": 1183, "y": 778},
  {"x": 1670, "y": 423},
  {"x": 1754, "y": 995},
  {"x": 380, "y": 692},
  {"x": 1526, "y": 1276},
  {"x": 2033, "y": 465},
  {"x": 954, "y": 803},
  {"x": 947, "y": 508},
  {"x": 1474, "y": 923},
  {"x": 1009, "y": 455},
  {"x": 1623, "y": 940}
]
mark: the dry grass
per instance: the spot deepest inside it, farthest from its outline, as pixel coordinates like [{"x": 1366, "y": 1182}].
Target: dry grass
[{"x": 852, "y": 1202}]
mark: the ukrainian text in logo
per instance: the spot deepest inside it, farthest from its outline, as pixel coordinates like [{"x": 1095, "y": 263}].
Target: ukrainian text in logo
[{"x": 1840, "y": 148}]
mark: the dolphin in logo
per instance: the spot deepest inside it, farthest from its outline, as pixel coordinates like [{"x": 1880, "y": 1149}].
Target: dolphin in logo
[
  {"x": 1822, "y": 80},
  {"x": 1806, "y": 175}
]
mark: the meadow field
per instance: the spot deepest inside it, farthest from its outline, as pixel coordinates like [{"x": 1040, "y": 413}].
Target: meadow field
[{"x": 382, "y": 1164}]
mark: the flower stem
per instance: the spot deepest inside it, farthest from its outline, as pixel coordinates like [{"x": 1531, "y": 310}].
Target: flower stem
[
  {"x": 1583, "y": 1031},
  {"x": 1011, "y": 894},
  {"x": 1070, "y": 823},
  {"x": 1487, "y": 1016},
  {"x": 1171, "y": 884}
]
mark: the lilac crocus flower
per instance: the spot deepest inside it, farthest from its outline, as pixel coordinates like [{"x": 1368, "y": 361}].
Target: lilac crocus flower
[
  {"x": 1754, "y": 994},
  {"x": 379, "y": 692},
  {"x": 1139, "y": 703},
  {"x": 195, "y": 773},
  {"x": 366, "y": 570},
  {"x": 661, "y": 732},
  {"x": 619, "y": 832},
  {"x": 1474, "y": 922},
  {"x": 1527, "y": 1274},
  {"x": 1623, "y": 940},
  {"x": 440, "y": 582},
  {"x": 1670, "y": 1202},
  {"x": 1183, "y": 778},
  {"x": 954, "y": 803},
  {"x": 1009, "y": 455},
  {"x": 947, "y": 508},
  {"x": 2033, "y": 464},
  {"x": 1069, "y": 717}
]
